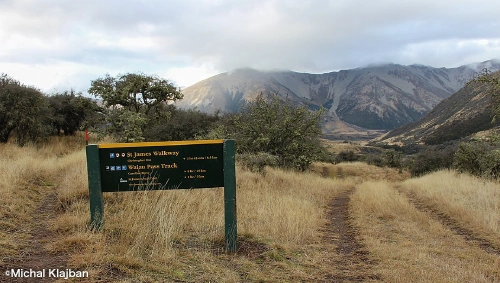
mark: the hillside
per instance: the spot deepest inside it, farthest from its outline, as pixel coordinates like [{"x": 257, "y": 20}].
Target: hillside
[
  {"x": 464, "y": 113},
  {"x": 359, "y": 100}
]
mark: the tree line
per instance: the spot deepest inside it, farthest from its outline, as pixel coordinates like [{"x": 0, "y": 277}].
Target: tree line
[
  {"x": 28, "y": 115},
  {"x": 136, "y": 107}
]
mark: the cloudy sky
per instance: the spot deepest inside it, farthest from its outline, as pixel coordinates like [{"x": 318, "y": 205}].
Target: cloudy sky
[{"x": 57, "y": 45}]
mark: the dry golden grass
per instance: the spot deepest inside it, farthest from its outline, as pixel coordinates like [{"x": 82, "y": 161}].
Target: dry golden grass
[
  {"x": 357, "y": 172},
  {"x": 472, "y": 202},
  {"x": 336, "y": 147},
  {"x": 28, "y": 176},
  {"x": 179, "y": 234},
  {"x": 411, "y": 247}
]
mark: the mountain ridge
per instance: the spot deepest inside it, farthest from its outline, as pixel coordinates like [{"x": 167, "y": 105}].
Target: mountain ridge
[
  {"x": 361, "y": 101},
  {"x": 465, "y": 113}
]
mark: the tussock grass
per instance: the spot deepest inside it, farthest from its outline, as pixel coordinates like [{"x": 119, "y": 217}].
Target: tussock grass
[
  {"x": 411, "y": 247},
  {"x": 284, "y": 206},
  {"x": 279, "y": 208},
  {"x": 162, "y": 236},
  {"x": 471, "y": 201},
  {"x": 357, "y": 172},
  {"x": 29, "y": 174},
  {"x": 163, "y": 232}
]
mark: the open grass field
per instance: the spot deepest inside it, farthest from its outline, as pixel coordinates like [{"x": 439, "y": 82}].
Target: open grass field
[{"x": 349, "y": 222}]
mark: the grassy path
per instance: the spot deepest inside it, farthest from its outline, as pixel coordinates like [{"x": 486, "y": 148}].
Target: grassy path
[
  {"x": 353, "y": 263},
  {"x": 410, "y": 245},
  {"x": 468, "y": 235},
  {"x": 35, "y": 254}
]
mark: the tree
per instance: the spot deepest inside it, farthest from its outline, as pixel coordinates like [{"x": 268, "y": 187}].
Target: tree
[
  {"x": 23, "y": 111},
  {"x": 72, "y": 112},
  {"x": 134, "y": 101},
  {"x": 281, "y": 129},
  {"x": 125, "y": 125},
  {"x": 139, "y": 93}
]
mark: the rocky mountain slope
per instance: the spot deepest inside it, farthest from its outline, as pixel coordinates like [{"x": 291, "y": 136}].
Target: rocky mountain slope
[
  {"x": 464, "y": 113},
  {"x": 359, "y": 102}
]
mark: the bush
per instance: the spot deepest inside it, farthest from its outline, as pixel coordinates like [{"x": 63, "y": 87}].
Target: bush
[
  {"x": 393, "y": 158},
  {"x": 375, "y": 159},
  {"x": 480, "y": 158},
  {"x": 280, "y": 129},
  {"x": 24, "y": 111},
  {"x": 256, "y": 162},
  {"x": 124, "y": 125},
  {"x": 346, "y": 156},
  {"x": 180, "y": 125},
  {"x": 429, "y": 160},
  {"x": 72, "y": 112}
]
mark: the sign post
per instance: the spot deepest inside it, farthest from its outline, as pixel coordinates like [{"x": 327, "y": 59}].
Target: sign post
[
  {"x": 123, "y": 167},
  {"x": 230, "y": 195},
  {"x": 95, "y": 192}
]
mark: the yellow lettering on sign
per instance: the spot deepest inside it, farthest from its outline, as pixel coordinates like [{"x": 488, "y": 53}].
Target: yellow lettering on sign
[
  {"x": 141, "y": 154},
  {"x": 169, "y": 166},
  {"x": 166, "y": 153},
  {"x": 136, "y": 167}
]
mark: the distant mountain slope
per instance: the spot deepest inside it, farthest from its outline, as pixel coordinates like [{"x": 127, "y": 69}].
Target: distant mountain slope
[
  {"x": 464, "y": 113},
  {"x": 376, "y": 97}
]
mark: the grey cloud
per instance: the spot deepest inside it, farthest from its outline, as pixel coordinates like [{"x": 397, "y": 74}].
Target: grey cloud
[{"x": 313, "y": 36}]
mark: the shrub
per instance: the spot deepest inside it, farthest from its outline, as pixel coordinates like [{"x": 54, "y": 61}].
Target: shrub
[
  {"x": 480, "y": 157},
  {"x": 346, "y": 156},
  {"x": 280, "y": 129},
  {"x": 180, "y": 124},
  {"x": 256, "y": 162},
  {"x": 429, "y": 160}
]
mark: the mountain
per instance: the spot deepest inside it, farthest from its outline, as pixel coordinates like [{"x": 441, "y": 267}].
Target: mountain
[
  {"x": 359, "y": 102},
  {"x": 466, "y": 112}
]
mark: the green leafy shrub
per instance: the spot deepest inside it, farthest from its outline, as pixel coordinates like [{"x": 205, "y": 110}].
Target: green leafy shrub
[
  {"x": 256, "y": 162},
  {"x": 480, "y": 157},
  {"x": 280, "y": 129},
  {"x": 430, "y": 160},
  {"x": 346, "y": 156},
  {"x": 180, "y": 124}
]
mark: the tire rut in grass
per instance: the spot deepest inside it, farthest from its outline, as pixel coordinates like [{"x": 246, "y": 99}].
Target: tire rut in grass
[
  {"x": 35, "y": 256},
  {"x": 353, "y": 263},
  {"x": 468, "y": 235}
]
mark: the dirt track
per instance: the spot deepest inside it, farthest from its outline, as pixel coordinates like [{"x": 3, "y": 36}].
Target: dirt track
[
  {"x": 353, "y": 263},
  {"x": 35, "y": 256},
  {"x": 468, "y": 235}
]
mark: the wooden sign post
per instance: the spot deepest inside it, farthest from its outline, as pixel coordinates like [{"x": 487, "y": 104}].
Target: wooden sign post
[{"x": 124, "y": 167}]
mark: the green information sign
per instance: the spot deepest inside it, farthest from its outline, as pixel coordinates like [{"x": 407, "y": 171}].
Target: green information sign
[{"x": 163, "y": 166}]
